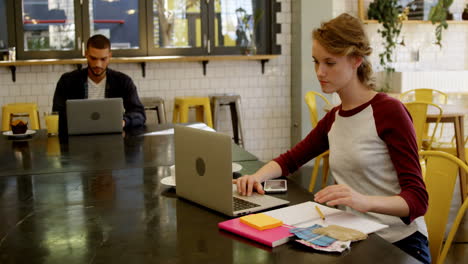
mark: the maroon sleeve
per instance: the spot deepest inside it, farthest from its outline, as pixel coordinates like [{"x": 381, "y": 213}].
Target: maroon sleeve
[
  {"x": 395, "y": 128},
  {"x": 314, "y": 144}
]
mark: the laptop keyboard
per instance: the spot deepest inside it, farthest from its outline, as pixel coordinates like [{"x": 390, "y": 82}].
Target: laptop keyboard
[{"x": 240, "y": 204}]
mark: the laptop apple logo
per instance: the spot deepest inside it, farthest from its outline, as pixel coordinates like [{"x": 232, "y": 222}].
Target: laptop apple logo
[
  {"x": 95, "y": 116},
  {"x": 200, "y": 166}
]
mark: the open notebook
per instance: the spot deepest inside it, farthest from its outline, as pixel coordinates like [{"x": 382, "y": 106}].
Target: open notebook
[{"x": 305, "y": 215}]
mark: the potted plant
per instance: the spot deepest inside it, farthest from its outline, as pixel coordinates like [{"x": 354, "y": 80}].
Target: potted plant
[
  {"x": 390, "y": 14},
  {"x": 439, "y": 14},
  {"x": 465, "y": 13},
  {"x": 246, "y": 28}
]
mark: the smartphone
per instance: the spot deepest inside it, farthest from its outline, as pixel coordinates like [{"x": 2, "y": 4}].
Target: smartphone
[{"x": 275, "y": 186}]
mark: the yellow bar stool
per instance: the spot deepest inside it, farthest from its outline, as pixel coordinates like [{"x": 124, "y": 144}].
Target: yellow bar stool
[
  {"x": 201, "y": 105},
  {"x": 20, "y": 109}
]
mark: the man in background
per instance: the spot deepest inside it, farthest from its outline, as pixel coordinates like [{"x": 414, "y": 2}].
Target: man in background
[{"x": 97, "y": 81}]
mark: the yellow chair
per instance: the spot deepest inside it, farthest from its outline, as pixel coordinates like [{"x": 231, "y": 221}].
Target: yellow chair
[
  {"x": 325, "y": 170},
  {"x": 201, "y": 104},
  {"x": 451, "y": 148},
  {"x": 424, "y": 95},
  {"x": 441, "y": 175},
  {"x": 311, "y": 101},
  {"x": 418, "y": 111},
  {"x": 20, "y": 109},
  {"x": 430, "y": 96}
]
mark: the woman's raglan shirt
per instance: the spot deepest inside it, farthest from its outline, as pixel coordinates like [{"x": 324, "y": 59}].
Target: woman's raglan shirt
[{"x": 373, "y": 150}]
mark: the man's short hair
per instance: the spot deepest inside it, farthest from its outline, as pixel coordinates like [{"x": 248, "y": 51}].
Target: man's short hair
[{"x": 99, "y": 42}]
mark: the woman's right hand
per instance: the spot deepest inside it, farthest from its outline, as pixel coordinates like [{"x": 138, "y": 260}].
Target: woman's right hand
[{"x": 247, "y": 184}]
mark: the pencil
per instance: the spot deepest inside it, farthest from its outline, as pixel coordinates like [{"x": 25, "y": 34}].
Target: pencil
[{"x": 320, "y": 213}]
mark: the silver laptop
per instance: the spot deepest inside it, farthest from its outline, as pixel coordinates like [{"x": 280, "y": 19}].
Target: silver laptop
[
  {"x": 94, "y": 116},
  {"x": 204, "y": 173}
]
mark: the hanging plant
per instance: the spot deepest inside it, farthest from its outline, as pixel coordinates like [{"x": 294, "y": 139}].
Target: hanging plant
[
  {"x": 438, "y": 14},
  {"x": 389, "y": 14}
]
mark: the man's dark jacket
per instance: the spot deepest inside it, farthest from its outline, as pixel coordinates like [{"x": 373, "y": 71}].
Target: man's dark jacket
[{"x": 74, "y": 85}]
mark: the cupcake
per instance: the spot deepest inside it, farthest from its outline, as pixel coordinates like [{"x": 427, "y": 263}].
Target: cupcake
[{"x": 19, "y": 127}]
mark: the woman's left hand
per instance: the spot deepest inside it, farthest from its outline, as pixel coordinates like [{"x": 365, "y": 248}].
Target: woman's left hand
[{"x": 340, "y": 194}]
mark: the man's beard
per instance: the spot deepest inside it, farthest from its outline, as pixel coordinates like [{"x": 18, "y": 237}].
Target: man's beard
[{"x": 96, "y": 74}]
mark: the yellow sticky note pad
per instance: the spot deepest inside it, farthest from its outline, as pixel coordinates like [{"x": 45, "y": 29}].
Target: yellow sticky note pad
[{"x": 260, "y": 221}]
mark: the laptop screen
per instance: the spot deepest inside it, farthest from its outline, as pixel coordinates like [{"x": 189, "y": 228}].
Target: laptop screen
[
  {"x": 204, "y": 168},
  {"x": 94, "y": 116}
]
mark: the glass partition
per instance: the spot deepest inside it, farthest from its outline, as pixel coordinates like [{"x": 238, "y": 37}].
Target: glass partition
[
  {"x": 48, "y": 25},
  {"x": 44, "y": 29}
]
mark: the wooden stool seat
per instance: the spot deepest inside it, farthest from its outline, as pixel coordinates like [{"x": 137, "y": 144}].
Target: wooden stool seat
[
  {"x": 234, "y": 103},
  {"x": 201, "y": 104},
  {"x": 20, "y": 109},
  {"x": 155, "y": 104}
]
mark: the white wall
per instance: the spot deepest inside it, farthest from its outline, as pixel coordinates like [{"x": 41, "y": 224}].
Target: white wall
[{"x": 307, "y": 15}]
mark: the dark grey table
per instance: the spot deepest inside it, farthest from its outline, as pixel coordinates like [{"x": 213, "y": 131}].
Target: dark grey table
[{"x": 98, "y": 199}]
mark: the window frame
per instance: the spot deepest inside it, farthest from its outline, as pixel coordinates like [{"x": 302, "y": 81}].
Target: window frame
[
  {"x": 19, "y": 37},
  {"x": 266, "y": 36}
]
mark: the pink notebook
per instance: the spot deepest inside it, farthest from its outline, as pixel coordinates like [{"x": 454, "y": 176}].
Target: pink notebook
[{"x": 270, "y": 237}]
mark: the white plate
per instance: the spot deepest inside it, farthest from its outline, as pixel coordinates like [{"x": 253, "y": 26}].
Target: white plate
[
  {"x": 27, "y": 133},
  {"x": 236, "y": 167},
  {"x": 168, "y": 181}
]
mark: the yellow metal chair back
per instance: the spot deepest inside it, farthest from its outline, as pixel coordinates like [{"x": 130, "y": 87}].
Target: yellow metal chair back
[
  {"x": 430, "y": 96},
  {"x": 440, "y": 179},
  {"x": 424, "y": 95},
  {"x": 418, "y": 111},
  {"x": 324, "y": 157},
  {"x": 311, "y": 101}
]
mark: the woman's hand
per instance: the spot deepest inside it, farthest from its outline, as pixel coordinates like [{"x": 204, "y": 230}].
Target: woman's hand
[
  {"x": 340, "y": 194},
  {"x": 247, "y": 184}
]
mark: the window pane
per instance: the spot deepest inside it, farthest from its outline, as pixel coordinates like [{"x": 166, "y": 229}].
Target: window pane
[
  {"x": 177, "y": 23},
  {"x": 235, "y": 23},
  {"x": 3, "y": 26},
  {"x": 48, "y": 25},
  {"x": 117, "y": 20}
]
